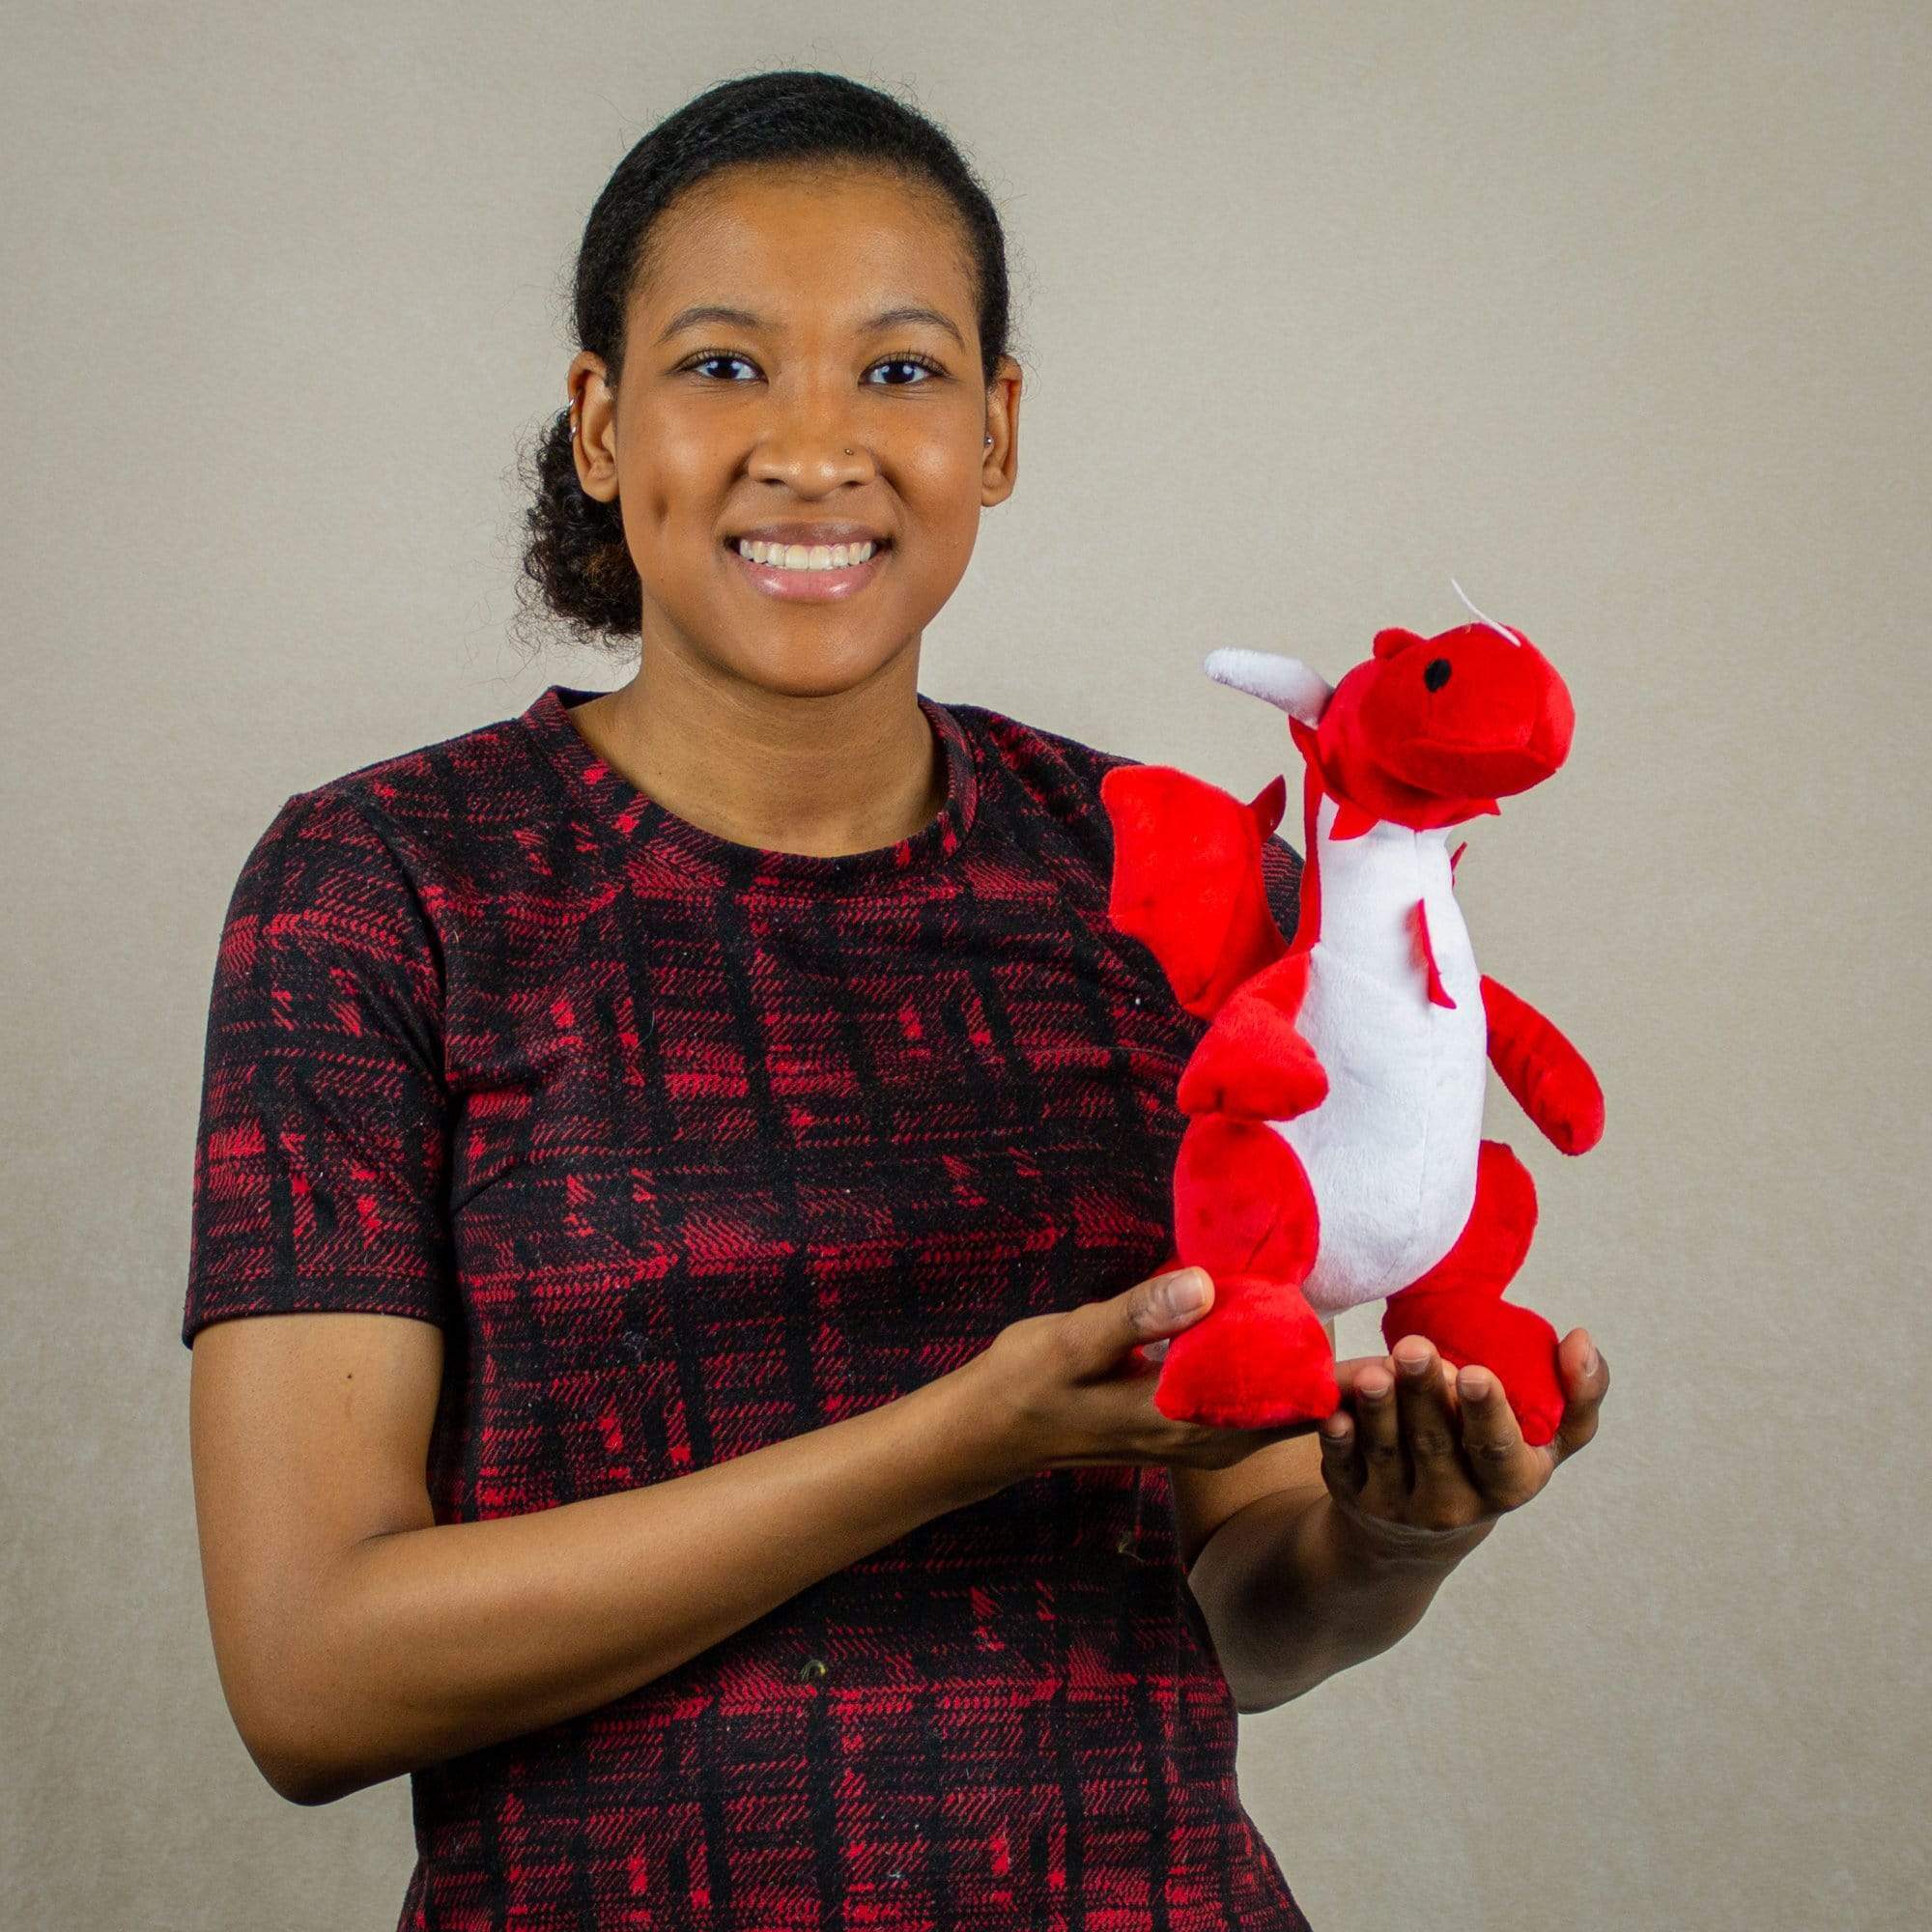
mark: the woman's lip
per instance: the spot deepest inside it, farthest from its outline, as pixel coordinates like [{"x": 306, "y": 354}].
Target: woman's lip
[{"x": 810, "y": 586}]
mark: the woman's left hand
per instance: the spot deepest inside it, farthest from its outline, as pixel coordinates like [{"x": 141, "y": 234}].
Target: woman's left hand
[{"x": 1423, "y": 1466}]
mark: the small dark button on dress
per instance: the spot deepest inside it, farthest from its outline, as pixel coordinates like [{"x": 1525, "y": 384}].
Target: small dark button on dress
[{"x": 691, "y": 1148}]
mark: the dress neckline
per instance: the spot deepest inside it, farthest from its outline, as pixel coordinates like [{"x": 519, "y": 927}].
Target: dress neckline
[{"x": 634, "y": 818}]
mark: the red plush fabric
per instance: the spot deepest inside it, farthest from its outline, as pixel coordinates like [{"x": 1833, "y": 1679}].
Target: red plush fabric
[
  {"x": 1437, "y": 993},
  {"x": 1187, "y": 878},
  {"x": 1244, "y": 1211},
  {"x": 1426, "y": 733},
  {"x": 1458, "y": 1305},
  {"x": 1547, "y": 1077},
  {"x": 1250, "y": 1061}
]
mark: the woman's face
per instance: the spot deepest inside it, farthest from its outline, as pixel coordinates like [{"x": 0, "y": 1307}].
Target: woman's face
[{"x": 805, "y": 409}]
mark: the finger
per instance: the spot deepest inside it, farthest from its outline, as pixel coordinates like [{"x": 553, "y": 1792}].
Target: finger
[
  {"x": 1507, "y": 1471},
  {"x": 1349, "y": 1369},
  {"x": 1386, "y": 1473},
  {"x": 1150, "y": 1311},
  {"x": 1342, "y": 1466},
  {"x": 1586, "y": 1379},
  {"x": 1429, "y": 1431}
]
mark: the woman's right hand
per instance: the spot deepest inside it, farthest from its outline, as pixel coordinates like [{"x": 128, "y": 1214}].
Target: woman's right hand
[{"x": 1070, "y": 1388}]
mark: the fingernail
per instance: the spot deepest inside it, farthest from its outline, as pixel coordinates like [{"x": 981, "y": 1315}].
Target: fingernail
[
  {"x": 1373, "y": 1386},
  {"x": 1590, "y": 1361},
  {"x": 1187, "y": 1292},
  {"x": 1473, "y": 1385},
  {"x": 1412, "y": 1365}
]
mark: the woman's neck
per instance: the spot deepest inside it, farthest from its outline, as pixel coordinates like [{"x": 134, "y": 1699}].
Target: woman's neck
[{"x": 847, "y": 772}]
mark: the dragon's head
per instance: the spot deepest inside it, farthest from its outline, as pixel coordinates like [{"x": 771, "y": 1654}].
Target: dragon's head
[{"x": 1425, "y": 731}]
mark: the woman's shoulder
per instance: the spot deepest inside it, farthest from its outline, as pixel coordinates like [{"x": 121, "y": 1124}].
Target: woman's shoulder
[
  {"x": 1037, "y": 769},
  {"x": 1060, "y": 773},
  {"x": 436, "y": 809},
  {"x": 1022, "y": 742}
]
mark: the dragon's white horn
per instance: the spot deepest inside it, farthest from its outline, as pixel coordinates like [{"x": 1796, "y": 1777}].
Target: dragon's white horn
[{"x": 1287, "y": 683}]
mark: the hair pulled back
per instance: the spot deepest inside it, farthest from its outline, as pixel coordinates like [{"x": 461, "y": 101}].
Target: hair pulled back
[{"x": 573, "y": 553}]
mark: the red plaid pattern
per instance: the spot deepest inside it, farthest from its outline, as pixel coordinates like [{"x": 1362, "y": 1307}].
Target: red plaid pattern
[{"x": 690, "y": 1148}]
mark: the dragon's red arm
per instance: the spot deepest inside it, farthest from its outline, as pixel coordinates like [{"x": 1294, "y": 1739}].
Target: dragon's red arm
[
  {"x": 1253, "y": 1061},
  {"x": 1548, "y": 1079}
]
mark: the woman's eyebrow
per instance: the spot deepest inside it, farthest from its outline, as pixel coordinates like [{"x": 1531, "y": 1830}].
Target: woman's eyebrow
[{"x": 890, "y": 318}]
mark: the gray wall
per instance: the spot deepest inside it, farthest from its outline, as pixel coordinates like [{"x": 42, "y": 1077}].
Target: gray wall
[{"x": 1616, "y": 314}]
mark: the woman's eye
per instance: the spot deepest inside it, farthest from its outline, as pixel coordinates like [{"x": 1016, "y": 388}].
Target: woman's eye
[
  {"x": 699, "y": 364},
  {"x": 907, "y": 363}
]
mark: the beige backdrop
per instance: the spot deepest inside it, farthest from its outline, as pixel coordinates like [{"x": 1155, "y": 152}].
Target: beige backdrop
[{"x": 1617, "y": 314}]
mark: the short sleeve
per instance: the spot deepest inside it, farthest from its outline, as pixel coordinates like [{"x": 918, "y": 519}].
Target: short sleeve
[{"x": 322, "y": 1151}]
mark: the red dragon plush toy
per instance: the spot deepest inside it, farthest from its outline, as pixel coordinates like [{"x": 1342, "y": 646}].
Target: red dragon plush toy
[{"x": 1333, "y": 1153}]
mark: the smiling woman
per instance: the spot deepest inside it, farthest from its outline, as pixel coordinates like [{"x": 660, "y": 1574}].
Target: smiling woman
[
  {"x": 707, "y": 1149},
  {"x": 794, "y": 335}
]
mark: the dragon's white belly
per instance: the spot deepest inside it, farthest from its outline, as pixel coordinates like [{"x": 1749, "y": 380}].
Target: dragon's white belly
[{"x": 1391, "y": 1152}]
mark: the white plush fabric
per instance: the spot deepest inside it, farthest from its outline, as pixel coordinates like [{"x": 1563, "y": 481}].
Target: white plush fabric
[{"x": 1391, "y": 1152}]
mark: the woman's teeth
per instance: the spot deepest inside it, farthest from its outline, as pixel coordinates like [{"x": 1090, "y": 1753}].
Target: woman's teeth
[{"x": 798, "y": 556}]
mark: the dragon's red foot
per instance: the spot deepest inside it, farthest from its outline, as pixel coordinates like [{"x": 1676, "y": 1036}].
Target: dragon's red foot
[
  {"x": 1257, "y": 1359},
  {"x": 1517, "y": 1344}
]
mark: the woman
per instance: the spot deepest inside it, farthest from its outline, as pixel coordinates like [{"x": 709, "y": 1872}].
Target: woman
[{"x": 708, "y": 1148}]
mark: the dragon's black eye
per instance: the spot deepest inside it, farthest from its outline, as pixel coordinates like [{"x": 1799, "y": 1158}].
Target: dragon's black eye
[{"x": 1435, "y": 673}]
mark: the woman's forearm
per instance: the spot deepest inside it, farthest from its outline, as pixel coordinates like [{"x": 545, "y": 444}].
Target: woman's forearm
[
  {"x": 435, "y": 1642},
  {"x": 1293, "y": 1592}
]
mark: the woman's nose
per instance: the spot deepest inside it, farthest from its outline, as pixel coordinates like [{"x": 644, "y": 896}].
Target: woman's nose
[{"x": 811, "y": 446}]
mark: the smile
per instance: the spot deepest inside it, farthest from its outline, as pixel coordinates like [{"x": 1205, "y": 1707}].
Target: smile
[{"x": 816, "y": 575}]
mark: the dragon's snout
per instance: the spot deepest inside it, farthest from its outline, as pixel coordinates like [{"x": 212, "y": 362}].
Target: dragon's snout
[{"x": 1477, "y": 712}]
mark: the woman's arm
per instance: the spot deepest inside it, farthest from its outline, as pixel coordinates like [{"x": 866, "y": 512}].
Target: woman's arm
[
  {"x": 358, "y": 1639},
  {"x": 1291, "y": 1594},
  {"x": 1296, "y": 1587}
]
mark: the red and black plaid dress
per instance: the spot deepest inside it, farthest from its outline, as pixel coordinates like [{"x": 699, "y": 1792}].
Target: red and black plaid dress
[{"x": 690, "y": 1148}]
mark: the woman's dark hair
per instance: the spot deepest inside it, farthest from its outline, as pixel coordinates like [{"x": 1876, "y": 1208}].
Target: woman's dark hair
[{"x": 573, "y": 553}]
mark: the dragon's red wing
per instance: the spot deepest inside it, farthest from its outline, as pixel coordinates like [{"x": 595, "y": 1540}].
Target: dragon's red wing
[{"x": 1187, "y": 878}]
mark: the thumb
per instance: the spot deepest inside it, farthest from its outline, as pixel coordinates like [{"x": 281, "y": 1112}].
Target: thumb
[{"x": 1164, "y": 1304}]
